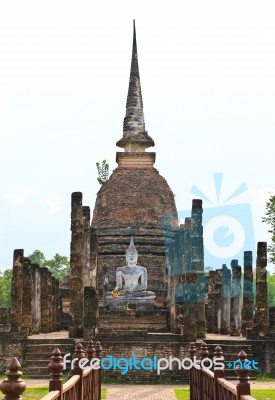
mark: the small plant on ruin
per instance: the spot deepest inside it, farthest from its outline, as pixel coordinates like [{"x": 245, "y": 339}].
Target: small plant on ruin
[
  {"x": 103, "y": 172},
  {"x": 163, "y": 199}
]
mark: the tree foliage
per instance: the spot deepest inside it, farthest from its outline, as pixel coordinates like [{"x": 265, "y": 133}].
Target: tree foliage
[
  {"x": 5, "y": 288},
  {"x": 270, "y": 220},
  {"x": 37, "y": 257},
  {"x": 58, "y": 265},
  {"x": 103, "y": 172},
  {"x": 271, "y": 289}
]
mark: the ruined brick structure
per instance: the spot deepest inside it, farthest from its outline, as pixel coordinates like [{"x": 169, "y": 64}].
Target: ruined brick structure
[
  {"x": 135, "y": 201},
  {"x": 35, "y": 301}
]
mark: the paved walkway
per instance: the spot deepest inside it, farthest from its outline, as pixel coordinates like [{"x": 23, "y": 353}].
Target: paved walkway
[
  {"x": 144, "y": 392},
  {"x": 253, "y": 384}
]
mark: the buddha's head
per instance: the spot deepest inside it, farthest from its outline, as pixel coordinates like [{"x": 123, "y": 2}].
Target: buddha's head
[{"x": 131, "y": 254}]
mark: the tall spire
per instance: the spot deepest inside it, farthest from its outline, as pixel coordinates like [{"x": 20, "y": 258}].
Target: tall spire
[{"x": 135, "y": 138}]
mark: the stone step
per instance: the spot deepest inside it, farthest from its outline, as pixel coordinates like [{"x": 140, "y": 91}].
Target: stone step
[
  {"x": 41, "y": 372},
  {"x": 38, "y": 355},
  {"x": 124, "y": 335},
  {"x": 49, "y": 341},
  {"x": 47, "y": 347},
  {"x": 230, "y": 349},
  {"x": 44, "y": 355},
  {"x": 36, "y": 363}
]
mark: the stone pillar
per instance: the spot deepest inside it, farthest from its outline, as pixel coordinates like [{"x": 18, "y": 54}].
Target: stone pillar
[
  {"x": 174, "y": 268},
  {"x": 197, "y": 253},
  {"x": 36, "y": 299},
  {"x": 86, "y": 227},
  {"x": 197, "y": 265},
  {"x": 187, "y": 244},
  {"x": 17, "y": 290},
  {"x": 248, "y": 298},
  {"x": 185, "y": 306},
  {"x": 27, "y": 295},
  {"x": 57, "y": 306},
  {"x": 77, "y": 266},
  {"x": 235, "y": 306},
  {"x": 45, "y": 303},
  {"x": 211, "y": 302},
  {"x": 261, "y": 314},
  {"x": 218, "y": 301},
  {"x": 90, "y": 312},
  {"x": 93, "y": 256},
  {"x": 54, "y": 295},
  {"x": 226, "y": 295},
  {"x": 50, "y": 293}
]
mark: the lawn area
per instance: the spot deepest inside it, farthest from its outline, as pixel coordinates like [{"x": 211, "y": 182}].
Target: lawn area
[
  {"x": 35, "y": 393},
  {"x": 182, "y": 394},
  {"x": 38, "y": 393},
  {"x": 263, "y": 394},
  {"x": 258, "y": 394}
]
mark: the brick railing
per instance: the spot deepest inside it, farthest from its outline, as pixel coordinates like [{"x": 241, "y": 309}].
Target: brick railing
[
  {"x": 84, "y": 384},
  {"x": 208, "y": 385}
]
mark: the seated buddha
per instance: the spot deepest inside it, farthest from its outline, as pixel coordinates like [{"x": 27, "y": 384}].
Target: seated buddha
[{"x": 131, "y": 280}]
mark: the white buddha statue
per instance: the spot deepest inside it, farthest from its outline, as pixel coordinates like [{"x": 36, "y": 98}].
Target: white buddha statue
[{"x": 131, "y": 280}]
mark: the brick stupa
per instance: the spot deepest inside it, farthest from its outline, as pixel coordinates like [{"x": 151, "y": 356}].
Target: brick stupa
[{"x": 134, "y": 200}]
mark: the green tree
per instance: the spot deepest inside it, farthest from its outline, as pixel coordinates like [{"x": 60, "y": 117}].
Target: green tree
[
  {"x": 59, "y": 266},
  {"x": 103, "y": 172},
  {"x": 271, "y": 289},
  {"x": 5, "y": 288},
  {"x": 270, "y": 220},
  {"x": 37, "y": 257}
]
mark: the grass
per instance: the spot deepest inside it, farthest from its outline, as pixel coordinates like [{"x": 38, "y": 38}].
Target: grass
[
  {"x": 182, "y": 394},
  {"x": 38, "y": 393},
  {"x": 263, "y": 394},
  {"x": 258, "y": 394},
  {"x": 35, "y": 393}
]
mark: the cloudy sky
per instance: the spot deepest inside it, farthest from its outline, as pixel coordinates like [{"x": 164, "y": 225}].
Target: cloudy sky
[{"x": 208, "y": 84}]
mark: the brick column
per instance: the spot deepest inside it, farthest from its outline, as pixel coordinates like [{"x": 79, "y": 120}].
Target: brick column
[
  {"x": 261, "y": 314},
  {"x": 53, "y": 298},
  {"x": 93, "y": 256},
  {"x": 57, "y": 306},
  {"x": 187, "y": 244},
  {"x": 17, "y": 290},
  {"x": 248, "y": 298},
  {"x": 218, "y": 301},
  {"x": 211, "y": 302},
  {"x": 45, "y": 303},
  {"x": 86, "y": 249},
  {"x": 235, "y": 306},
  {"x": 77, "y": 266},
  {"x": 185, "y": 298},
  {"x": 50, "y": 293},
  {"x": 27, "y": 295},
  {"x": 90, "y": 312},
  {"x": 197, "y": 265},
  {"x": 226, "y": 296},
  {"x": 36, "y": 299}
]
